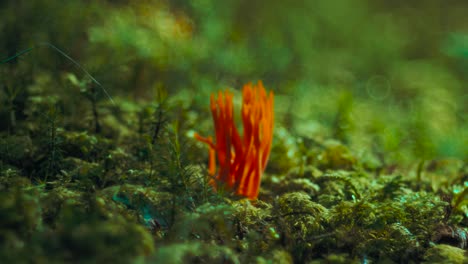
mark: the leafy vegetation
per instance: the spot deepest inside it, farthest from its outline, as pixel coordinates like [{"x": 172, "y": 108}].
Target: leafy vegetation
[{"x": 101, "y": 99}]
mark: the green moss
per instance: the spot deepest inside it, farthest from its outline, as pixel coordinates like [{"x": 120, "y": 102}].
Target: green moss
[
  {"x": 209, "y": 222},
  {"x": 11, "y": 177},
  {"x": 21, "y": 212},
  {"x": 113, "y": 240},
  {"x": 194, "y": 252},
  {"x": 21, "y": 220},
  {"x": 97, "y": 157},
  {"x": 16, "y": 149},
  {"x": 445, "y": 254},
  {"x": 85, "y": 146},
  {"x": 299, "y": 221},
  {"x": 335, "y": 156},
  {"x": 339, "y": 186},
  {"x": 276, "y": 256}
]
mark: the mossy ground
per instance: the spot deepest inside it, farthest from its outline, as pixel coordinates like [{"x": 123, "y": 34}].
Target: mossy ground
[
  {"x": 76, "y": 195},
  {"x": 368, "y": 162}
]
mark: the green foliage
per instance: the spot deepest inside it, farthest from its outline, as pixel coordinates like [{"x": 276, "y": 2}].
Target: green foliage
[
  {"x": 194, "y": 252},
  {"x": 256, "y": 233},
  {"x": 299, "y": 221},
  {"x": 395, "y": 230},
  {"x": 445, "y": 254},
  {"x": 368, "y": 162},
  {"x": 51, "y": 145},
  {"x": 21, "y": 220},
  {"x": 15, "y": 149},
  {"x": 128, "y": 239},
  {"x": 460, "y": 199},
  {"x": 336, "y": 187},
  {"x": 85, "y": 146}
]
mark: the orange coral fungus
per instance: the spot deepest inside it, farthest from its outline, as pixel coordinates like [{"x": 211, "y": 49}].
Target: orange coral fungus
[{"x": 242, "y": 160}]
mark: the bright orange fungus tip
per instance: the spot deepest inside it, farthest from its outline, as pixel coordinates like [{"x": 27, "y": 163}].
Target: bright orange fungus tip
[{"x": 241, "y": 160}]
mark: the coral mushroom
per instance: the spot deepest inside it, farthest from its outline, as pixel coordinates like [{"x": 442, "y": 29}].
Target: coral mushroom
[{"x": 242, "y": 160}]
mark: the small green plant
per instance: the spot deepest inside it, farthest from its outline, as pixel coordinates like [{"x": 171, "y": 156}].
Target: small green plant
[
  {"x": 175, "y": 172},
  {"x": 11, "y": 104},
  {"x": 51, "y": 142},
  {"x": 89, "y": 91},
  {"x": 158, "y": 126}
]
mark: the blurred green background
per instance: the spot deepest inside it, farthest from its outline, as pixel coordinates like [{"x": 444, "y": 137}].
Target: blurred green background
[{"x": 384, "y": 77}]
